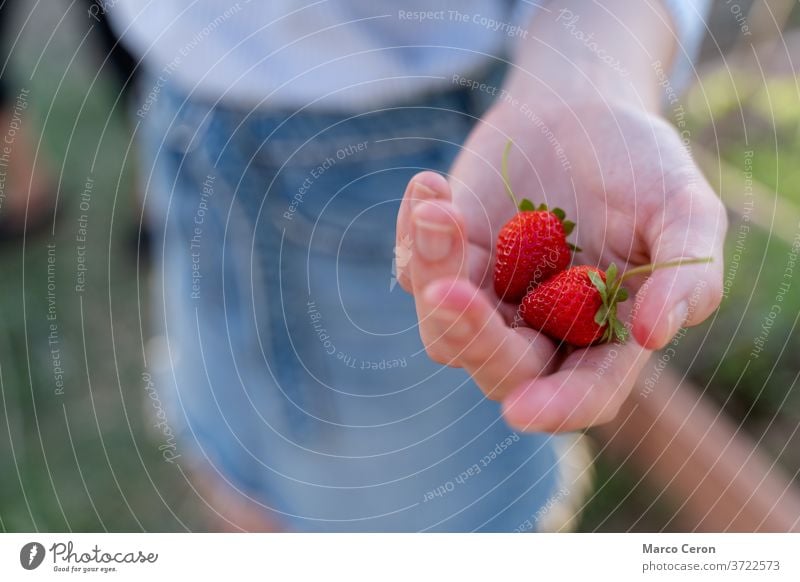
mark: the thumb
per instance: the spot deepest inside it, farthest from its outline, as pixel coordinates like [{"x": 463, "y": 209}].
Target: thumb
[{"x": 692, "y": 224}]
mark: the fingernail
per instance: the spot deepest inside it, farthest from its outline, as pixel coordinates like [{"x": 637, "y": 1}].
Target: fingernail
[
  {"x": 678, "y": 316},
  {"x": 420, "y": 192},
  {"x": 433, "y": 237}
]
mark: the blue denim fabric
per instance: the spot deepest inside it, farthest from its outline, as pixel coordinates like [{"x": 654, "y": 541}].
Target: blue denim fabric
[{"x": 294, "y": 364}]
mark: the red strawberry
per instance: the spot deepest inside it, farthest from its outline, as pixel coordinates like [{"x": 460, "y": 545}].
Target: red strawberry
[
  {"x": 531, "y": 247},
  {"x": 579, "y": 305}
]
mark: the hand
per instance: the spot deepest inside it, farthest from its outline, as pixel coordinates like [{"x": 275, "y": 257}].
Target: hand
[{"x": 625, "y": 177}]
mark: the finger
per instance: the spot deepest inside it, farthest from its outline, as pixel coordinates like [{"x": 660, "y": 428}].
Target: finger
[
  {"x": 423, "y": 186},
  {"x": 693, "y": 225},
  {"x": 479, "y": 270},
  {"x": 439, "y": 251},
  {"x": 439, "y": 243},
  {"x": 588, "y": 389},
  {"x": 465, "y": 328}
]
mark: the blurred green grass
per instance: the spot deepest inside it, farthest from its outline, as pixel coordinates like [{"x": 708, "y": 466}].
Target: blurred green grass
[{"x": 84, "y": 460}]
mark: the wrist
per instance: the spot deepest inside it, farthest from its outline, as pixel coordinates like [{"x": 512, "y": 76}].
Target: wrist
[
  {"x": 587, "y": 82},
  {"x": 605, "y": 50}
]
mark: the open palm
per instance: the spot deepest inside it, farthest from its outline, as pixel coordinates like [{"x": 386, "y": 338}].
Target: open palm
[{"x": 627, "y": 180}]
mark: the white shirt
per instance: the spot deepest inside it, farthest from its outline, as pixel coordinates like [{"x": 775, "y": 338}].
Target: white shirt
[{"x": 334, "y": 54}]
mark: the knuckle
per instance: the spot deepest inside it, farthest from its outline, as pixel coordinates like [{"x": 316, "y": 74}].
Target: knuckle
[
  {"x": 474, "y": 357},
  {"x": 493, "y": 393},
  {"x": 440, "y": 356},
  {"x": 494, "y": 389}
]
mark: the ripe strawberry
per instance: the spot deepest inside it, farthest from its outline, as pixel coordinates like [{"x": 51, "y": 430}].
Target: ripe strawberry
[
  {"x": 579, "y": 305},
  {"x": 531, "y": 247}
]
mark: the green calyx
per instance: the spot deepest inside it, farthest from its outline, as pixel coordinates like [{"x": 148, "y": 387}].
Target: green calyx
[
  {"x": 612, "y": 293},
  {"x": 526, "y": 205}
]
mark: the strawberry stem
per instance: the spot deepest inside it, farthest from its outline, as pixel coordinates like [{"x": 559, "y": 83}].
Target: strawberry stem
[
  {"x": 504, "y": 172},
  {"x": 646, "y": 269},
  {"x": 612, "y": 292}
]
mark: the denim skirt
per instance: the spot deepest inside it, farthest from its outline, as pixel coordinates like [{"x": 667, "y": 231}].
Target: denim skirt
[{"x": 291, "y": 364}]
